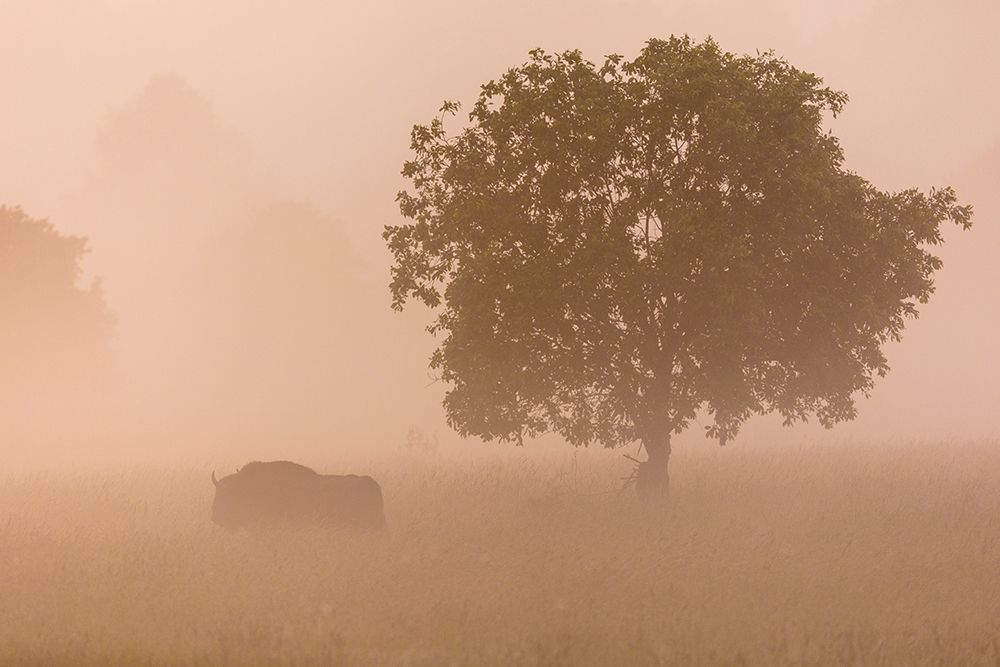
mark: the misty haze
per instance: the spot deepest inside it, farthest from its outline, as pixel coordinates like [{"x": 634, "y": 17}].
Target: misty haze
[{"x": 622, "y": 332}]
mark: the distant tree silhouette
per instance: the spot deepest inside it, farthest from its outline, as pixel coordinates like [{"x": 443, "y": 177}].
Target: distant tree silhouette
[
  {"x": 170, "y": 174},
  {"x": 612, "y": 249},
  {"x": 167, "y": 143},
  {"x": 53, "y": 332},
  {"x": 281, "y": 313}
]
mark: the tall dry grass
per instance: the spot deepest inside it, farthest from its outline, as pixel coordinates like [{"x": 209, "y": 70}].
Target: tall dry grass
[{"x": 836, "y": 554}]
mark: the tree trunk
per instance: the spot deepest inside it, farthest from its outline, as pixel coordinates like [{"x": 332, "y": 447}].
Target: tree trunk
[{"x": 653, "y": 479}]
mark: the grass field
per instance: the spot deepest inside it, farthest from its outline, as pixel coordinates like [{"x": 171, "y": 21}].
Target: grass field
[{"x": 815, "y": 555}]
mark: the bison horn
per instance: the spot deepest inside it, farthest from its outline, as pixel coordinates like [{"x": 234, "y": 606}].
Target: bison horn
[{"x": 214, "y": 481}]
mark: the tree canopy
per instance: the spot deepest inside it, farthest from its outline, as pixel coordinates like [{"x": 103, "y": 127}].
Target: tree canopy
[{"x": 612, "y": 248}]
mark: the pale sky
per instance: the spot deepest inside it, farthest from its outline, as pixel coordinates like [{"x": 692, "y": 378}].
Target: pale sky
[{"x": 324, "y": 95}]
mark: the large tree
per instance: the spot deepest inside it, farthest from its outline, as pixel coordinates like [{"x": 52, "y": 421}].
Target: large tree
[{"x": 612, "y": 249}]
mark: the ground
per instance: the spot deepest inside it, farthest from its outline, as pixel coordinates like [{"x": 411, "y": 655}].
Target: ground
[{"x": 811, "y": 555}]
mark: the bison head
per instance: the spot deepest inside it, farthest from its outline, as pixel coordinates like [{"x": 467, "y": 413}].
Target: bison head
[{"x": 260, "y": 494}]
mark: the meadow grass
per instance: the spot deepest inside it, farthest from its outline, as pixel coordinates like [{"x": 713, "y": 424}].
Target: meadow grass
[{"x": 834, "y": 554}]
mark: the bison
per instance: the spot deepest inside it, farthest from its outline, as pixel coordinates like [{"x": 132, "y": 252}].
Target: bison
[{"x": 282, "y": 493}]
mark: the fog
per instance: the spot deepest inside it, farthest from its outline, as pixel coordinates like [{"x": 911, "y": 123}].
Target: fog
[
  {"x": 232, "y": 165},
  {"x": 212, "y": 288}
]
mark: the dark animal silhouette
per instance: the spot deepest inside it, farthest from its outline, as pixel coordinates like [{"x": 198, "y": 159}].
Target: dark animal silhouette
[{"x": 282, "y": 493}]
